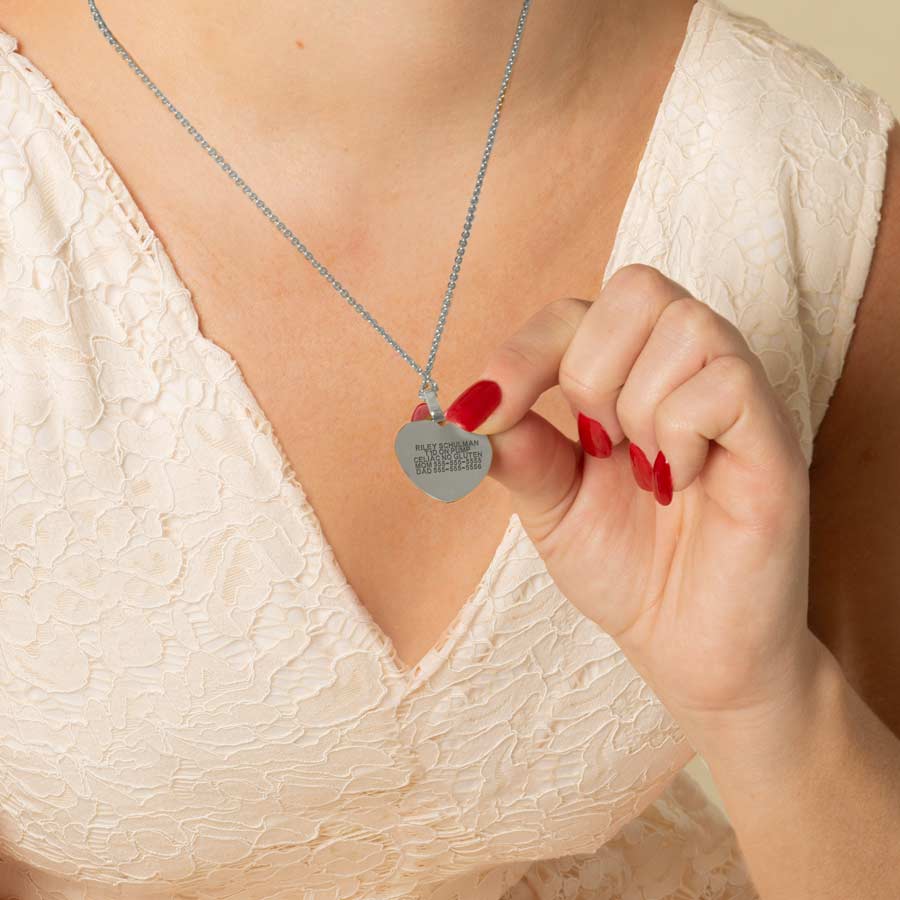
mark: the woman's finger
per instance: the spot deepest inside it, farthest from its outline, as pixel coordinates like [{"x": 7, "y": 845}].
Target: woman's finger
[
  {"x": 663, "y": 338},
  {"x": 675, "y": 337},
  {"x": 524, "y": 366},
  {"x": 617, "y": 360},
  {"x": 535, "y": 461},
  {"x": 539, "y": 466},
  {"x": 595, "y": 342},
  {"x": 611, "y": 337},
  {"x": 729, "y": 410}
]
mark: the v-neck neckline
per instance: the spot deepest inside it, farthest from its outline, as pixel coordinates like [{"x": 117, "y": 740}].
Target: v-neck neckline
[{"x": 141, "y": 231}]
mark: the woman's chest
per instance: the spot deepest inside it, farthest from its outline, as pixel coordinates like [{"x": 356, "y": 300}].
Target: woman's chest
[
  {"x": 335, "y": 393},
  {"x": 191, "y": 691}
]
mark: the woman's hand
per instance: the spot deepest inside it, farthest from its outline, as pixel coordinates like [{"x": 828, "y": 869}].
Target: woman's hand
[{"x": 704, "y": 589}]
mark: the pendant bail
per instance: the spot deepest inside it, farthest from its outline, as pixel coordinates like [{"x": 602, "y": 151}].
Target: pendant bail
[{"x": 429, "y": 395}]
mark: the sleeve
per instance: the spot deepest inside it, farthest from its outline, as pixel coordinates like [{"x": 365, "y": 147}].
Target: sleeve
[{"x": 846, "y": 179}]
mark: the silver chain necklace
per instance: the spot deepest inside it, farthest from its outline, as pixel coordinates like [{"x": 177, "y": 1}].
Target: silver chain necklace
[{"x": 439, "y": 457}]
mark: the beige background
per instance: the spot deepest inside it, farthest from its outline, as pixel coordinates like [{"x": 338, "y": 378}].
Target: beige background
[{"x": 863, "y": 38}]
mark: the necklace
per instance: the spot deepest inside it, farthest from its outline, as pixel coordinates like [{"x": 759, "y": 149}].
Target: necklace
[{"x": 439, "y": 457}]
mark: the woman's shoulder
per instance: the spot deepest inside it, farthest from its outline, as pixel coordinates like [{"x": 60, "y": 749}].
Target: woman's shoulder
[
  {"x": 787, "y": 121},
  {"x": 744, "y": 62},
  {"x": 28, "y": 120},
  {"x": 26, "y": 94},
  {"x": 766, "y": 156},
  {"x": 755, "y": 98},
  {"x": 762, "y": 193}
]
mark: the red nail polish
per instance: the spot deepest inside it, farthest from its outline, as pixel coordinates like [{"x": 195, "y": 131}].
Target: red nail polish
[
  {"x": 662, "y": 480},
  {"x": 593, "y": 437},
  {"x": 420, "y": 412},
  {"x": 640, "y": 466},
  {"x": 474, "y": 404}
]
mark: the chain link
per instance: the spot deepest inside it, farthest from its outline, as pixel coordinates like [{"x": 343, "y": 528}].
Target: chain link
[{"x": 297, "y": 243}]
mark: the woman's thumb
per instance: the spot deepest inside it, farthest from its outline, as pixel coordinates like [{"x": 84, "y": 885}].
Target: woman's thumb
[{"x": 535, "y": 461}]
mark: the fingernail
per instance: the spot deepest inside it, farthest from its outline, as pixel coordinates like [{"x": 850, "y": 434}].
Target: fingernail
[
  {"x": 593, "y": 437},
  {"x": 420, "y": 412},
  {"x": 662, "y": 480},
  {"x": 640, "y": 466},
  {"x": 474, "y": 404}
]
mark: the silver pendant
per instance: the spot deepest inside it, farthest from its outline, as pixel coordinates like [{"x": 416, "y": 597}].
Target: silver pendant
[{"x": 440, "y": 458}]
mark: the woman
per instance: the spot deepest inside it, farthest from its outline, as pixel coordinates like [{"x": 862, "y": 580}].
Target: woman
[{"x": 200, "y": 698}]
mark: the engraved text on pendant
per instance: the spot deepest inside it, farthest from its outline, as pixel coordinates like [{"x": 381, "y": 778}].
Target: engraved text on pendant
[{"x": 444, "y": 461}]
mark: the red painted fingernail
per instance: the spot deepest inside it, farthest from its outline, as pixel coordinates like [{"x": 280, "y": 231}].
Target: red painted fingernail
[
  {"x": 474, "y": 404},
  {"x": 593, "y": 436},
  {"x": 420, "y": 412},
  {"x": 640, "y": 466},
  {"x": 662, "y": 480}
]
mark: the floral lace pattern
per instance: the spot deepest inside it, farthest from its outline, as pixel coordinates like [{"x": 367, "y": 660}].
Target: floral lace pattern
[{"x": 192, "y": 703}]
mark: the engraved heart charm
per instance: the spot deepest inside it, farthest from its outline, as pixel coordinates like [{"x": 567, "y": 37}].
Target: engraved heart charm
[{"x": 444, "y": 461}]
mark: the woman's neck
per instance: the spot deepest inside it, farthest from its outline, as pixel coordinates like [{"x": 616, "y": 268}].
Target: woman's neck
[{"x": 351, "y": 76}]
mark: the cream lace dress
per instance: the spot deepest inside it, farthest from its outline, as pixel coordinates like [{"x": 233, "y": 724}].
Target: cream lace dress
[{"x": 193, "y": 701}]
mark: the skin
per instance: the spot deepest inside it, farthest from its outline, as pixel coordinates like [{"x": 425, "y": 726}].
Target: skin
[
  {"x": 855, "y": 496},
  {"x": 798, "y": 686}
]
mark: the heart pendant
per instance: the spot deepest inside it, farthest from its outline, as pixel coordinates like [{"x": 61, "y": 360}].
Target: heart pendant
[{"x": 443, "y": 460}]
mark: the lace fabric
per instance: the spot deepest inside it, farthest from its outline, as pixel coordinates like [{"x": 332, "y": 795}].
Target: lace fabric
[{"x": 193, "y": 702}]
